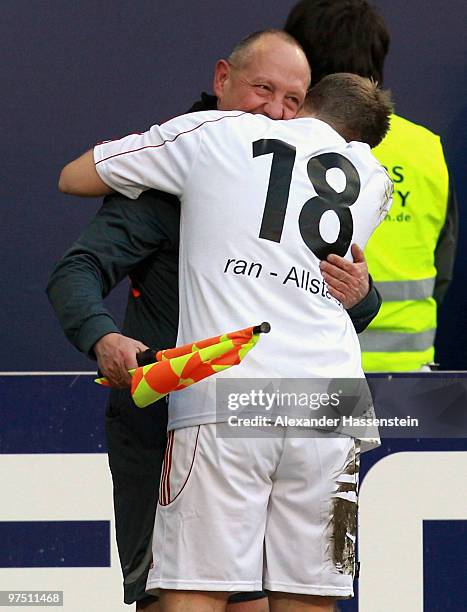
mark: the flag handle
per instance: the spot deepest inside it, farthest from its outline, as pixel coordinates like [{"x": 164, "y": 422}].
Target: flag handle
[
  {"x": 149, "y": 355},
  {"x": 263, "y": 328},
  {"x": 146, "y": 357}
]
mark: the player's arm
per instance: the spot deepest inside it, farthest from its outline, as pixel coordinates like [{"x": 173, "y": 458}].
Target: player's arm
[
  {"x": 160, "y": 158},
  {"x": 119, "y": 238},
  {"x": 80, "y": 178}
]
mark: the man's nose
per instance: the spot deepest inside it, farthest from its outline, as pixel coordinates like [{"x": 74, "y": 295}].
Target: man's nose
[{"x": 274, "y": 109}]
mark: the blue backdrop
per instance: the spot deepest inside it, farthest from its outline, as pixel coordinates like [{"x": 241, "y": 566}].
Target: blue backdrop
[{"x": 74, "y": 73}]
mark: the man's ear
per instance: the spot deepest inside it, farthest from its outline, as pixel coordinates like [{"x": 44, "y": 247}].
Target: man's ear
[{"x": 221, "y": 75}]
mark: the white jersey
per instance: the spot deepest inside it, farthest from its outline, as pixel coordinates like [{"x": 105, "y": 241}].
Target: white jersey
[{"x": 262, "y": 202}]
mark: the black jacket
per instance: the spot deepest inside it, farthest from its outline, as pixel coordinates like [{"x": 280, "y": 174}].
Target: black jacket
[{"x": 140, "y": 241}]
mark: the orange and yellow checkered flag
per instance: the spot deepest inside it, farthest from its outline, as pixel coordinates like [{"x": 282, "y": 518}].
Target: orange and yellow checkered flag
[{"x": 177, "y": 368}]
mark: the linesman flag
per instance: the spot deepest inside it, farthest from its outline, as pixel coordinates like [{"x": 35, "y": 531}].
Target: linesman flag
[{"x": 177, "y": 368}]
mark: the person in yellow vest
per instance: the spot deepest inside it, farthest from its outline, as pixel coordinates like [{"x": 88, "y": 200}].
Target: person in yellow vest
[{"x": 411, "y": 255}]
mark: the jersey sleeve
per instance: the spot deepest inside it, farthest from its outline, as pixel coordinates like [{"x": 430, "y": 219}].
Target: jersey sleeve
[{"x": 160, "y": 158}]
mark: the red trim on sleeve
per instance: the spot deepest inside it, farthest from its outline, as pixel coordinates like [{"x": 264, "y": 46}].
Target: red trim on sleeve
[{"x": 172, "y": 140}]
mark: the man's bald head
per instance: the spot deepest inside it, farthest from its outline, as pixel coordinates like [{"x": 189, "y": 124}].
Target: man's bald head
[
  {"x": 261, "y": 41},
  {"x": 267, "y": 73}
]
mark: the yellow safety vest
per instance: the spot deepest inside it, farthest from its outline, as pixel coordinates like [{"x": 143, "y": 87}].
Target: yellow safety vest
[{"x": 401, "y": 253}]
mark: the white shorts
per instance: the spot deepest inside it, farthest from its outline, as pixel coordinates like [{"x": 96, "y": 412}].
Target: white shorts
[{"x": 243, "y": 514}]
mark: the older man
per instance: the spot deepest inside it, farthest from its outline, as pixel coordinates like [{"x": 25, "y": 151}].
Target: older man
[{"x": 142, "y": 240}]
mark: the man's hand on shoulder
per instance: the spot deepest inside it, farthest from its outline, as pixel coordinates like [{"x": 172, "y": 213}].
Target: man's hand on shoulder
[
  {"x": 116, "y": 354},
  {"x": 348, "y": 282}
]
